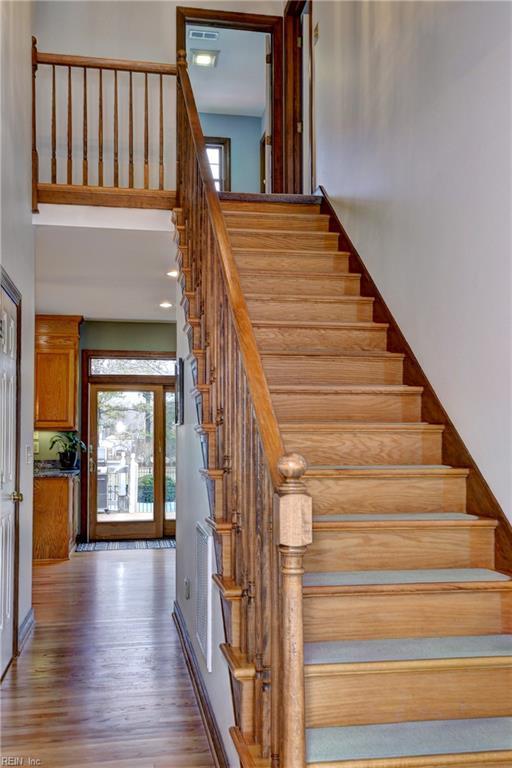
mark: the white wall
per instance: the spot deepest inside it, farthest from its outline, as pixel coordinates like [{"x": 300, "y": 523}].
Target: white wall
[
  {"x": 413, "y": 142},
  {"x": 17, "y": 247}
]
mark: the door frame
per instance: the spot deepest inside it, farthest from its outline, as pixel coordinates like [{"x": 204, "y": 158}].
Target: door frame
[
  {"x": 167, "y": 382},
  {"x": 293, "y": 95},
  {"x": 250, "y": 22},
  {"x": 14, "y": 294}
]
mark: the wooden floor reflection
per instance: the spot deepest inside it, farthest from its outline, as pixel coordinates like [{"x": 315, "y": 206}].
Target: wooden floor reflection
[{"x": 102, "y": 681}]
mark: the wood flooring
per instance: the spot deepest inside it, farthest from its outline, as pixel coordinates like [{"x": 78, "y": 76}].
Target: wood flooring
[{"x": 102, "y": 680}]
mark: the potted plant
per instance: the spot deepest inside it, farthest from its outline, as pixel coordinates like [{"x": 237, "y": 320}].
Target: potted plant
[{"x": 70, "y": 445}]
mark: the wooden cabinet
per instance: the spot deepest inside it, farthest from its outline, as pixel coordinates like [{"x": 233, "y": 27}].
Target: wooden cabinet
[
  {"x": 56, "y": 516},
  {"x": 56, "y": 372}
]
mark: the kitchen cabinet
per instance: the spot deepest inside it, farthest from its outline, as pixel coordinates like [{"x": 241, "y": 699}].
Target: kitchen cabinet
[
  {"x": 56, "y": 516},
  {"x": 56, "y": 372}
]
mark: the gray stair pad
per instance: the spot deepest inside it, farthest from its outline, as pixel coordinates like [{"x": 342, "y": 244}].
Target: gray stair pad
[
  {"x": 420, "y": 576},
  {"x": 403, "y": 649},
  {"x": 396, "y": 516},
  {"x": 437, "y": 737}
]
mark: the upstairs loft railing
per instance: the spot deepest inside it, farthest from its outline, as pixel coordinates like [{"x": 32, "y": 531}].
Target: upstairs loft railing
[
  {"x": 102, "y": 131},
  {"x": 260, "y": 512}
]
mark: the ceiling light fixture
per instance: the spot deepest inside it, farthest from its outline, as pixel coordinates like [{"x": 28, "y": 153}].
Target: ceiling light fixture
[
  {"x": 166, "y": 304},
  {"x": 172, "y": 273},
  {"x": 204, "y": 58}
]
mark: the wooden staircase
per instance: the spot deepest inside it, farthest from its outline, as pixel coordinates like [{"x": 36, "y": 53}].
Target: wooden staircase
[{"x": 405, "y": 613}]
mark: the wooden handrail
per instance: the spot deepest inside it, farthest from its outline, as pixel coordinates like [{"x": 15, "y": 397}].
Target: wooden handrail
[
  {"x": 264, "y": 412},
  {"x": 92, "y": 62}
]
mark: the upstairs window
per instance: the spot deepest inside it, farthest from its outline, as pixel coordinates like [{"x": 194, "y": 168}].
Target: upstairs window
[{"x": 219, "y": 156}]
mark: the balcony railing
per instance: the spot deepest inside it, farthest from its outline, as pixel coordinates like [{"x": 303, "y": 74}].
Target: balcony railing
[{"x": 102, "y": 131}]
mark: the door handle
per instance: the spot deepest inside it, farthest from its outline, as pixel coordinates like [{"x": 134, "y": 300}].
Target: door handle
[{"x": 17, "y": 496}]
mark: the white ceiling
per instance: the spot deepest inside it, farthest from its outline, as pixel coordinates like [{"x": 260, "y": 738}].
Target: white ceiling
[
  {"x": 236, "y": 86},
  {"x": 105, "y": 273}
]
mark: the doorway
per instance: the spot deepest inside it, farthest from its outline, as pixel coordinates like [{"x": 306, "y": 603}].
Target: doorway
[
  {"x": 130, "y": 470},
  {"x": 10, "y": 497},
  {"x": 236, "y": 69}
]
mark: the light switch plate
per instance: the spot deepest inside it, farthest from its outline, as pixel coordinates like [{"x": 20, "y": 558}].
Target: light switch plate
[{"x": 29, "y": 454}]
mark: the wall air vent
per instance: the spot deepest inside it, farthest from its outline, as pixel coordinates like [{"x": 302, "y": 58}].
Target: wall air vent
[{"x": 203, "y": 34}]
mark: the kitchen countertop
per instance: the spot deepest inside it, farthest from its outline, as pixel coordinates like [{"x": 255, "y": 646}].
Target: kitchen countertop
[{"x": 56, "y": 473}]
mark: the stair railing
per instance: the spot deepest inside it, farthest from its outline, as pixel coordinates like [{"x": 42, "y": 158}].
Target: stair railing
[
  {"x": 99, "y": 127},
  {"x": 260, "y": 511}
]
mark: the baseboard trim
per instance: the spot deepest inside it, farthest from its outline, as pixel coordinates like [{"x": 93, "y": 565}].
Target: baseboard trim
[
  {"x": 25, "y": 629},
  {"x": 203, "y": 700}
]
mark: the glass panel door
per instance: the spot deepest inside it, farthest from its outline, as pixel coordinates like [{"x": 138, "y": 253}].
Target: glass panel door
[{"x": 125, "y": 467}]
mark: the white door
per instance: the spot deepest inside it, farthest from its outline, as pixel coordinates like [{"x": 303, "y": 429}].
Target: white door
[{"x": 8, "y": 373}]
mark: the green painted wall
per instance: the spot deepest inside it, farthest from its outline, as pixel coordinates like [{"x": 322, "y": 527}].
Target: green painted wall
[
  {"x": 141, "y": 337},
  {"x": 137, "y": 337}
]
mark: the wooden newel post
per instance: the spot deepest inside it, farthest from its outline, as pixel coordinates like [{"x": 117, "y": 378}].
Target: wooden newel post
[{"x": 294, "y": 530}]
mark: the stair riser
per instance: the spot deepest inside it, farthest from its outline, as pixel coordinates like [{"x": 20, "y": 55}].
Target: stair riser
[
  {"x": 363, "y": 448},
  {"x": 408, "y": 614},
  {"x": 311, "y": 311},
  {"x": 403, "y": 548},
  {"x": 341, "y": 370},
  {"x": 282, "y": 221},
  {"x": 285, "y": 241},
  {"x": 271, "y": 207},
  {"x": 300, "y": 263},
  {"x": 408, "y": 695},
  {"x": 292, "y": 406},
  {"x": 331, "y": 340},
  {"x": 364, "y": 495},
  {"x": 284, "y": 285}
]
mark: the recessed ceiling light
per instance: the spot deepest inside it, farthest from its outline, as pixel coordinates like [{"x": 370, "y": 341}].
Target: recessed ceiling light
[
  {"x": 166, "y": 304},
  {"x": 204, "y": 58},
  {"x": 172, "y": 273}
]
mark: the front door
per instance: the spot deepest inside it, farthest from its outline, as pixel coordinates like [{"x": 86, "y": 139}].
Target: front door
[
  {"x": 131, "y": 482},
  {"x": 8, "y": 472}
]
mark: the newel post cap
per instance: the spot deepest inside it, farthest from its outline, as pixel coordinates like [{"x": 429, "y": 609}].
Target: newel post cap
[
  {"x": 294, "y": 505},
  {"x": 181, "y": 57}
]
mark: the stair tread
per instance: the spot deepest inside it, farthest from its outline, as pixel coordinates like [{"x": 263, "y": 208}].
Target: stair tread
[
  {"x": 361, "y": 353},
  {"x": 287, "y": 251},
  {"x": 406, "y": 516},
  {"x": 278, "y": 273},
  {"x": 310, "y": 299},
  {"x": 396, "y": 740},
  {"x": 277, "y": 215},
  {"x": 314, "y": 467},
  {"x": 364, "y": 426},
  {"x": 346, "y": 388},
  {"x": 416, "y": 576},
  {"x": 401, "y": 470},
  {"x": 407, "y": 649},
  {"x": 370, "y": 324},
  {"x": 293, "y": 232}
]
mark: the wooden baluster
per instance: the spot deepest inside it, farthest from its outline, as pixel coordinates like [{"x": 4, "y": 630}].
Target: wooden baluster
[
  {"x": 161, "y": 142},
  {"x": 294, "y": 524},
  {"x": 35, "y": 156},
  {"x": 100, "y": 130},
  {"x": 70, "y": 130},
  {"x": 85, "y": 166},
  {"x": 54, "y": 129},
  {"x": 146, "y": 133},
  {"x": 116, "y": 133},
  {"x": 130, "y": 134}
]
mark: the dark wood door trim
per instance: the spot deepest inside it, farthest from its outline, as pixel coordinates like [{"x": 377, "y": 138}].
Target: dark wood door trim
[
  {"x": 250, "y": 22},
  {"x": 11, "y": 290},
  {"x": 293, "y": 99}
]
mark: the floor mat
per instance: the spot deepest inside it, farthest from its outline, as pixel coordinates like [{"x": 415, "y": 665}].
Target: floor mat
[{"x": 103, "y": 546}]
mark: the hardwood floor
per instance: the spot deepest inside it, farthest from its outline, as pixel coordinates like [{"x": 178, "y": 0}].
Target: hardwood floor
[{"x": 102, "y": 681}]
